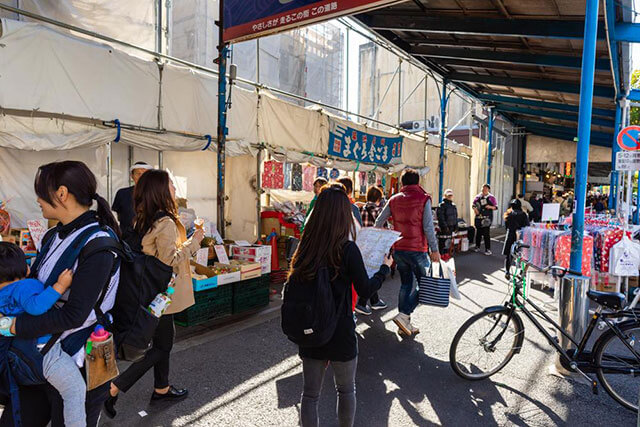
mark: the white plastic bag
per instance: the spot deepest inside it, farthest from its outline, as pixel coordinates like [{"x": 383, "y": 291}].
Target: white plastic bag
[
  {"x": 624, "y": 259},
  {"x": 448, "y": 272}
]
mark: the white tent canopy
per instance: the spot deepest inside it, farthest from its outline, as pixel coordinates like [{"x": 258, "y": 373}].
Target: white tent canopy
[{"x": 60, "y": 95}]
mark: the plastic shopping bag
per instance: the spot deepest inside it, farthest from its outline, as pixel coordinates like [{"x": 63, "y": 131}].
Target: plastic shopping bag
[
  {"x": 624, "y": 259},
  {"x": 449, "y": 272}
]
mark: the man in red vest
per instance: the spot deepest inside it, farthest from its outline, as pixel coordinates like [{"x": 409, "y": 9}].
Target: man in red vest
[{"x": 411, "y": 214}]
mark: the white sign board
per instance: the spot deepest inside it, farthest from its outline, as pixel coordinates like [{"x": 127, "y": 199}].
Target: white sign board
[
  {"x": 374, "y": 243},
  {"x": 628, "y": 161},
  {"x": 550, "y": 212},
  {"x": 202, "y": 256},
  {"x": 223, "y": 258},
  {"x": 37, "y": 229}
]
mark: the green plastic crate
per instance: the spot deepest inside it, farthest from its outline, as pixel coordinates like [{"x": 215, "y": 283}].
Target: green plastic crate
[
  {"x": 211, "y": 304},
  {"x": 250, "y": 294}
]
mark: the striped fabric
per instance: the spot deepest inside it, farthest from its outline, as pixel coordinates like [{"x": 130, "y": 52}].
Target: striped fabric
[{"x": 434, "y": 291}]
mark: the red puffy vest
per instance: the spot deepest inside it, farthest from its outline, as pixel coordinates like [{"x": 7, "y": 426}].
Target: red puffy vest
[{"x": 407, "y": 209}]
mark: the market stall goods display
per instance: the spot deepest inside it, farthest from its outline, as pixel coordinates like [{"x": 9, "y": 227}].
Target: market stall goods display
[
  {"x": 273, "y": 175},
  {"x": 287, "y": 175},
  {"x": 296, "y": 177},
  {"x": 308, "y": 176}
]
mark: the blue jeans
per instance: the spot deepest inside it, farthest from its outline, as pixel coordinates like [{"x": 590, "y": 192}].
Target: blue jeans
[{"x": 410, "y": 264}]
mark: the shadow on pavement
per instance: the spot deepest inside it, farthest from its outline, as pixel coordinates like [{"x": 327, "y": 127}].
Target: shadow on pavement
[{"x": 214, "y": 377}]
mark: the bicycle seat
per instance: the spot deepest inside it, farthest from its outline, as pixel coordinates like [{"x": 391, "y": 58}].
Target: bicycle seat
[{"x": 614, "y": 300}]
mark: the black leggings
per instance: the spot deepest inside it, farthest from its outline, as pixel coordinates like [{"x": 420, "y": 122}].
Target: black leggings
[
  {"x": 157, "y": 358},
  {"x": 483, "y": 232}
]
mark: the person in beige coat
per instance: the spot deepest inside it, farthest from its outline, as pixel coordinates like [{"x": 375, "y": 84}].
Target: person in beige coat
[{"x": 164, "y": 237}]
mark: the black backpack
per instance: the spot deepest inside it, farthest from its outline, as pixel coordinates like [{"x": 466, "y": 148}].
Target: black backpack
[
  {"x": 142, "y": 277},
  {"x": 309, "y": 310}
]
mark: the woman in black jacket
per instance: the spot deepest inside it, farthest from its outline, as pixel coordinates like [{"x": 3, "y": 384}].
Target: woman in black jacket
[
  {"x": 515, "y": 219},
  {"x": 66, "y": 192},
  {"x": 326, "y": 242}
]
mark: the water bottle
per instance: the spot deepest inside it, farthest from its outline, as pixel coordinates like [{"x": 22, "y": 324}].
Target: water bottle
[
  {"x": 100, "y": 360},
  {"x": 161, "y": 302},
  {"x": 99, "y": 337}
]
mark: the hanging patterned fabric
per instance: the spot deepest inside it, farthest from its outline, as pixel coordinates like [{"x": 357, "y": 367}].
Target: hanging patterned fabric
[
  {"x": 371, "y": 178},
  {"x": 273, "y": 175},
  {"x": 324, "y": 173},
  {"x": 287, "y": 176},
  {"x": 308, "y": 176},
  {"x": 363, "y": 182},
  {"x": 296, "y": 177},
  {"x": 334, "y": 174}
]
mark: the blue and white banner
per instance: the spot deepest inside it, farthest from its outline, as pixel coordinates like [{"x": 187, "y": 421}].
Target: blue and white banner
[{"x": 363, "y": 145}]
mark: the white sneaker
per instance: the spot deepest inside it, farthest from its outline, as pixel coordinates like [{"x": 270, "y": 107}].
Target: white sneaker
[
  {"x": 487, "y": 253},
  {"x": 404, "y": 323}
]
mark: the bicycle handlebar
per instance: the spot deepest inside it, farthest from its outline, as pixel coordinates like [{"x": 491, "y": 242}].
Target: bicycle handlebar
[
  {"x": 518, "y": 246},
  {"x": 556, "y": 270}
]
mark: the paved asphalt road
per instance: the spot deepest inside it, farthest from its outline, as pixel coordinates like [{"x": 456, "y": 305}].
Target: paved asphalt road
[{"x": 252, "y": 376}]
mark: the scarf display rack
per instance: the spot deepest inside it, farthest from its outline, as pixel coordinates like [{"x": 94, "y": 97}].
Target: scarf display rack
[{"x": 550, "y": 244}]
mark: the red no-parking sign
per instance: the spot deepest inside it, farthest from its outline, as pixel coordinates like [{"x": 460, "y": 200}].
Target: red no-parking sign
[{"x": 629, "y": 138}]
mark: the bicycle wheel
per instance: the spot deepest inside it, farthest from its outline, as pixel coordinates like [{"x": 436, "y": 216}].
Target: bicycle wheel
[
  {"x": 618, "y": 368},
  {"x": 485, "y": 343}
]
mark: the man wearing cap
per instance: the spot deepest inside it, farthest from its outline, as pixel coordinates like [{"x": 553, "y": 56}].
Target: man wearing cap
[
  {"x": 447, "y": 214},
  {"x": 123, "y": 202}
]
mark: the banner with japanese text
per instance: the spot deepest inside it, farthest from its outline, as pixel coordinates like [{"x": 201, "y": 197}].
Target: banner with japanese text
[
  {"x": 362, "y": 144},
  {"x": 247, "y": 19}
]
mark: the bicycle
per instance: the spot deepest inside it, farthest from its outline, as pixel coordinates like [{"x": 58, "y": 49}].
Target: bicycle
[{"x": 488, "y": 341}]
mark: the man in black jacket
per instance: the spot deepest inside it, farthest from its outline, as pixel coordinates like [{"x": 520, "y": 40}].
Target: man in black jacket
[{"x": 447, "y": 214}]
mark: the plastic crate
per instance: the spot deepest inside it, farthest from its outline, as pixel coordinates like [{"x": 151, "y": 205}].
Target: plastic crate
[
  {"x": 250, "y": 294},
  {"x": 211, "y": 304}
]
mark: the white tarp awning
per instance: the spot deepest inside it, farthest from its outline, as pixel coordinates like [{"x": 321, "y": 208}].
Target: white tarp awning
[
  {"x": 47, "y": 70},
  {"x": 190, "y": 104},
  {"x": 282, "y": 124}
]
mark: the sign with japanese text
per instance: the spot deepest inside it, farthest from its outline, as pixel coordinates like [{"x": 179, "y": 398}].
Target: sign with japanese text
[
  {"x": 354, "y": 144},
  {"x": 628, "y": 160},
  {"x": 37, "y": 229},
  {"x": 629, "y": 138},
  {"x": 247, "y": 19}
]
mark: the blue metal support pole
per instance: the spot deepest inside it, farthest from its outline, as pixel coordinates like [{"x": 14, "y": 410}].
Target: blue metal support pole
[
  {"x": 636, "y": 213},
  {"x": 443, "y": 134},
  {"x": 524, "y": 165},
  {"x": 613, "y": 185},
  {"x": 584, "y": 130},
  {"x": 490, "y": 136},
  {"x": 223, "y": 53}
]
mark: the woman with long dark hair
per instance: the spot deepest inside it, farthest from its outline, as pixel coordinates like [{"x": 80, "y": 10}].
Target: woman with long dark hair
[
  {"x": 326, "y": 242},
  {"x": 66, "y": 192},
  {"x": 164, "y": 237}
]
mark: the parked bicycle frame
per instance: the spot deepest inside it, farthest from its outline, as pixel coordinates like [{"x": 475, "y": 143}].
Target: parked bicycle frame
[{"x": 499, "y": 335}]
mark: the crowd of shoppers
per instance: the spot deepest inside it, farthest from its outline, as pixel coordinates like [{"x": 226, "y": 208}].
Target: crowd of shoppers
[
  {"x": 148, "y": 216},
  {"x": 66, "y": 192}
]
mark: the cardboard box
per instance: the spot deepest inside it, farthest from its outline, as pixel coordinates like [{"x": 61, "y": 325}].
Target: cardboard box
[
  {"x": 248, "y": 269},
  {"x": 212, "y": 280},
  {"x": 605, "y": 282},
  {"x": 256, "y": 253}
]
